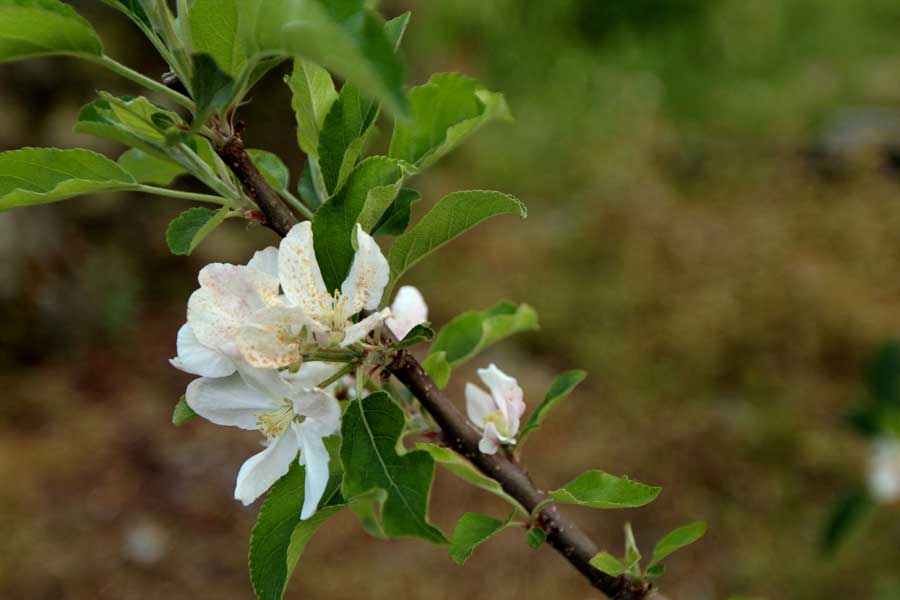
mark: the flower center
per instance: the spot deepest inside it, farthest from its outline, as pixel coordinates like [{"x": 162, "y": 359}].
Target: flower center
[
  {"x": 499, "y": 422},
  {"x": 274, "y": 423}
]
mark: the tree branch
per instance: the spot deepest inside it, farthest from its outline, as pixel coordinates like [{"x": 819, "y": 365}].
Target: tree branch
[{"x": 563, "y": 535}]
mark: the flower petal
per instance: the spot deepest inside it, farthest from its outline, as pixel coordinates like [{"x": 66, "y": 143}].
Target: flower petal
[
  {"x": 884, "y": 471},
  {"x": 360, "y": 330},
  {"x": 195, "y": 358},
  {"x": 271, "y": 339},
  {"x": 266, "y": 261},
  {"x": 261, "y": 470},
  {"x": 299, "y": 272},
  {"x": 490, "y": 440},
  {"x": 266, "y": 382},
  {"x": 407, "y": 311},
  {"x": 314, "y": 455},
  {"x": 479, "y": 404},
  {"x": 507, "y": 394},
  {"x": 368, "y": 276},
  {"x": 321, "y": 409},
  {"x": 228, "y": 401}
]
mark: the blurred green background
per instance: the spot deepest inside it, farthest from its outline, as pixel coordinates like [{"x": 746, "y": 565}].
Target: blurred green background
[{"x": 714, "y": 234}]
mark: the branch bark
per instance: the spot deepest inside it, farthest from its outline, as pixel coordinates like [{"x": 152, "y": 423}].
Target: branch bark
[{"x": 563, "y": 535}]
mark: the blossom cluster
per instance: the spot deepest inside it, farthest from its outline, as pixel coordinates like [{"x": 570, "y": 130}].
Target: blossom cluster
[{"x": 249, "y": 329}]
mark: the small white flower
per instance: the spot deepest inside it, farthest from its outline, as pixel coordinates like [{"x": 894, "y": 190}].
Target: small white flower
[
  {"x": 288, "y": 409},
  {"x": 407, "y": 311},
  {"x": 228, "y": 296},
  {"x": 884, "y": 471},
  {"x": 329, "y": 314},
  {"x": 497, "y": 414}
]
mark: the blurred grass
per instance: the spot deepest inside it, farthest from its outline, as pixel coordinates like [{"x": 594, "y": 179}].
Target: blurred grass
[{"x": 700, "y": 239}]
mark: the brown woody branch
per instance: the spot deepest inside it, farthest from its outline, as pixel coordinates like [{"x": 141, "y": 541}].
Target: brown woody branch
[{"x": 563, "y": 535}]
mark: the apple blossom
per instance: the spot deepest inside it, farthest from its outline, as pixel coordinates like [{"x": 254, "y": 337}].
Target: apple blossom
[
  {"x": 228, "y": 296},
  {"x": 407, "y": 311},
  {"x": 288, "y": 409},
  {"x": 884, "y": 471},
  {"x": 497, "y": 414},
  {"x": 330, "y": 314}
]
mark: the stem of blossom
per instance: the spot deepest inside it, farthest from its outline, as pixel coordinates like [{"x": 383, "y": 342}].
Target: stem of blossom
[
  {"x": 345, "y": 370},
  {"x": 563, "y": 535},
  {"x": 326, "y": 356},
  {"x": 295, "y": 202}
]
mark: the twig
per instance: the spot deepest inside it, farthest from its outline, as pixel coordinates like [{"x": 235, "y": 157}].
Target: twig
[{"x": 563, "y": 535}]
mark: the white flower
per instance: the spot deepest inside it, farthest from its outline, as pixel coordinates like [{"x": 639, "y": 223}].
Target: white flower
[
  {"x": 229, "y": 295},
  {"x": 329, "y": 314},
  {"x": 497, "y": 414},
  {"x": 288, "y": 409},
  {"x": 407, "y": 311},
  {"x": 884, "y": 471}
]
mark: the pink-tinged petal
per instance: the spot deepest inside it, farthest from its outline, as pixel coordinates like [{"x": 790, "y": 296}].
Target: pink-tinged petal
[
  {"x": 195, "y": 358},
  {"x": 407, "y": 311},
  {"x": 490, "y": 440},
  {"x": 299, "y": 272},
  {"x": 368, "y": 276},
  {"x": 314, "y": 456},
  {"x": 228, "y": 401},
  {"x": 507, "y": 394},
  {"x": 212, "y": 324},
  {"x": 243, "y": 289},
  {"x": 271, "y": 340},
  {"x": 479, "y": 404},
  {"x": 359, "y": 331},
  {"x": 266, "y": 261},
  {"x": 321, "y": 410},
  {"x": 262, "y": 470}
]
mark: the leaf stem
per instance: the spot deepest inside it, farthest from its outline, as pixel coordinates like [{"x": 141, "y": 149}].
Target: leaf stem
[
  {"x": 295, "y": 202},
  {"x": 161, "y": 191},
  {"x": 326, "y": 356},
  {"x": 151, "y": 84}
]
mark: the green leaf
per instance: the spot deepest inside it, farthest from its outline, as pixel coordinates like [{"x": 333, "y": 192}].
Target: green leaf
[
  {"x": 30, "y": 28},
  {"x": 135, "y": 122},
  {"x": 453, "y": 215},
  {"x": 395, "y": 219},
  {"x": 313, "y": 94},
  {"x": 191, "y": 227},
  {"x": 182, "y": 413},
  {"x": 846, "y": 518},
  {"x": 374, "y": 183},
  {"x": 466, "y": 471},
  {"x": 370, "y": 431},
  {"x": 632, "y": 553},
  {"x": 279, "y": 536},
  {"x": 473, "y": 331},
  {"x": 536, "y": 537},
  {"x": 677, "y": 539},
  {"x": 272, "y": 168},
  {"x": 883, "y": 376},
  {"x": 443, "y": 112},
  {"x": 41, "y": 175},
  {"x": 134, "y": 10},
  {"x": 346, "y": 38},
  {"x": 214, "y": 27},
  {"x": 307, "y": 188},
  {"x": 419, "y": 334},
  {"x": 655, "y": 571},
  {"x": 472, "y": 530},
  {"x": 213, "y": 89},
  {"x": 597, "y": 489},
  {"x": 146, "y": 168},
  {"x": 608, "y": 563},
  {"x": 438, "y": 368},
  {"x": 561, "y": 387},
  {"x": 343, "y": 135}
]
